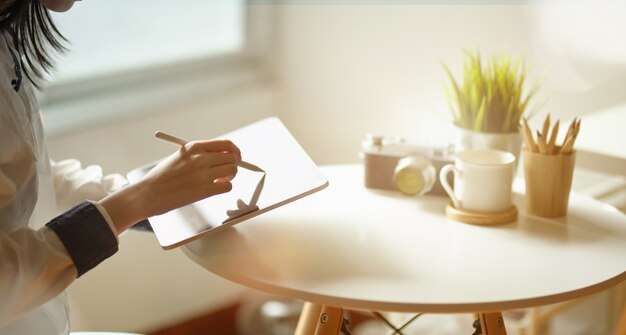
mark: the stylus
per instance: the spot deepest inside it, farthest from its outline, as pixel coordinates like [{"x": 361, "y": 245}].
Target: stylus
[{"x": 170, "y": 138}]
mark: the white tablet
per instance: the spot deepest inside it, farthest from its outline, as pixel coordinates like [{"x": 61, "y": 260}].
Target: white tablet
[{"x": 280, "y": 172}]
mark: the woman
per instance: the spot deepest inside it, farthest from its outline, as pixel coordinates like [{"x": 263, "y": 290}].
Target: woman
[{"x": 40, "y": 257}]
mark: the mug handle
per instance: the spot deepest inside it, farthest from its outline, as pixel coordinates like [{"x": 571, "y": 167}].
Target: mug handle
[{"x": 443, "y": 178}]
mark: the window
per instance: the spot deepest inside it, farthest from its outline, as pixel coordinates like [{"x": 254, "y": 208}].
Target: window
[
  {"x": 117, "y": 35},
  {"x": 128, "y": 56}
]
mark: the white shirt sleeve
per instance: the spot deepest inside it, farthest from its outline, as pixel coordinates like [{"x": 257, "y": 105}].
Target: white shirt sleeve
[
  {"x": 74, "y": 184},
  {"x": 34, "y": 268}
]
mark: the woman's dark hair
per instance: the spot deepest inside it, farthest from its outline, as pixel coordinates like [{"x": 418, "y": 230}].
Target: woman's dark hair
[{"x": 34, "y": 36}]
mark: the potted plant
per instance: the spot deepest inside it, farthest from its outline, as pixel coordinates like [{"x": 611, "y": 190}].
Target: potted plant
[{"x": 488, "y": 101}]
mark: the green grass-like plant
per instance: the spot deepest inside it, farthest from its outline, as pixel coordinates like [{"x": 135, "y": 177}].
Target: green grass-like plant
[{"x": 489, "y": 97}]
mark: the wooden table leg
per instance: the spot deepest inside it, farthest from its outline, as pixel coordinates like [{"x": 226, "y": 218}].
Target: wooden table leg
[
  {"x": 621, "y": 324},
  {"x": 308, "y": 319},
  {"x": 491, "y": 323},
  {"x": 319, "y": 320},
  {"x": 330, "y": 321}
]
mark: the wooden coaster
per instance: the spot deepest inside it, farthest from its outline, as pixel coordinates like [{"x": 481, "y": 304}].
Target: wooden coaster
[{"x": 481, "y": 218}]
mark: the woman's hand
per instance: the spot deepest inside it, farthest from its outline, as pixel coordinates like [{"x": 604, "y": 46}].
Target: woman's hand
[{"x": 196, "y": 171}]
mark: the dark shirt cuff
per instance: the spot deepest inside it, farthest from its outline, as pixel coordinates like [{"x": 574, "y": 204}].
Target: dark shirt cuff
[{"x": 86, "y": 235}]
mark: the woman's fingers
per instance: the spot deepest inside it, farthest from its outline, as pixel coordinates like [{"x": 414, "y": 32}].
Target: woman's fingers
[
  {"x": 219, "y": 188},
  {"x": 212, "y": 166},
  {"x": 222, "y": 172},
  {"x": 214, "y": 146},
  {"x": 209, "y": 160}
]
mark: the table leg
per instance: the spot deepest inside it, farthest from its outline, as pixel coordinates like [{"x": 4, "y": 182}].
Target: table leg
[
  {"x": 308, "y": 319},
  {"x": 490, "y": 323},
  {"x": 319, "y": 320},
  {"x": 330, "y": 321},
  {"x": 621, "y": 324}
]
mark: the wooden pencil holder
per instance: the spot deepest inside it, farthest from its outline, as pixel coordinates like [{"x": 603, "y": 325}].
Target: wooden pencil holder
[{"x": 548, "y": 183}]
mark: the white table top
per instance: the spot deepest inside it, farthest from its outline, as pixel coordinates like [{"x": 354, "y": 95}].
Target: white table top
[{"x": 378, "y": 250}]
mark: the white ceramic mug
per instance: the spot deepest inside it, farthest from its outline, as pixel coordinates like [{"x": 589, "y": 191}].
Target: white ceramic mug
[{"x": 483, "y": 180}]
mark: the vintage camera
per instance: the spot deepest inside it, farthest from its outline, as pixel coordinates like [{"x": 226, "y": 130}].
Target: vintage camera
[{"x": 388, "y": 159}]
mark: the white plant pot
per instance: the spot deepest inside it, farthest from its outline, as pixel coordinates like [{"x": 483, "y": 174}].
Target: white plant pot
[{"x": 468, "y": 139}]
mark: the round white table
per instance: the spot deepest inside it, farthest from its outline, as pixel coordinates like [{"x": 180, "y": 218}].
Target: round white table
[{"x": 358, "y": 248}]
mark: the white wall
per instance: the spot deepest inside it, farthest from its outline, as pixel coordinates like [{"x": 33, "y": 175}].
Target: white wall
[
  {"x": 142, "y": 287},
  {"x": 348, "y": 70}
]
